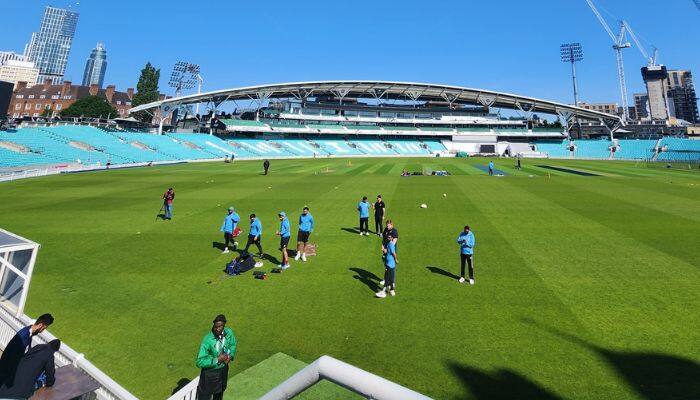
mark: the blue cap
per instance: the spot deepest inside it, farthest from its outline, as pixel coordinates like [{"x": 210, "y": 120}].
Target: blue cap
[{"x": 282, "y": 214}]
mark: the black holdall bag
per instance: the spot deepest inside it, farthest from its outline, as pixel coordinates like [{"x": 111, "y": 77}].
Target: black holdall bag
[{"x": 243, "y": 263}]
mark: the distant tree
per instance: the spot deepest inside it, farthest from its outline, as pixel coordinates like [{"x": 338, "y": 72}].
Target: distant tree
[
  {"x": 46, "y": 113},
  {"x": 91, "y": 107},
  {"x": 146, "y": 91}
]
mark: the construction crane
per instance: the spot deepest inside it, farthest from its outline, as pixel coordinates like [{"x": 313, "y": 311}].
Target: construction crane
[
  {"x": 619, "y": 43},
  {"x": 651, "y": 61}
]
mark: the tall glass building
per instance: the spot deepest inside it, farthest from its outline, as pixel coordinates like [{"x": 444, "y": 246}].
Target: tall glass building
[
  {"x": 49, "y": 48},
  {"x": 96, "y": 66}
]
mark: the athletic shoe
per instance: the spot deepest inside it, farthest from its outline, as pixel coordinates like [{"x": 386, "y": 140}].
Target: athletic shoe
[
  {"x": 462, "y": 280},
  {"x": 381, "y": 294},
  {"x": 381, "y": 283},
  {"x": 283, "y": 267},
  {"x": 259, "y": 264},
  {"x": 471, "y": 281},
  {"x": 303, "y": 257},
  {"x": 296, "y": 258},
  {"x": 392, "y": 292},
  {"x": 235, "y": 245},
  {"x": 225, "y": 251}
]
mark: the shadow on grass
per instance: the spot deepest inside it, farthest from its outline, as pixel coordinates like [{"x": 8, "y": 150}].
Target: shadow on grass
[
  {"x": 181, "y": 383},
  {"x": 654, "y": 376},
  {"x": 355, "y": 230},
  {"x": 502, "y": 384},
  {"x": 274, "y": 260},
  {"x": 217, "y": 245},
  {"x": 369, "y": 279},
  {"x": 440, "y": 271}
]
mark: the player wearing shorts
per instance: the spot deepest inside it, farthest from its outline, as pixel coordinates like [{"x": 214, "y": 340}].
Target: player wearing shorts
[
  {"x": 306, "y": 226},
  {"x": 284, "y": 233}
]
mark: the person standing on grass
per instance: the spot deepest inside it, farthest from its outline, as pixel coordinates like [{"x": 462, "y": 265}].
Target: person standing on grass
[
  {"x": 390, "y": 261},
  {"x": 379, "y": 211},
  {"x": 363, "y": 209},
  {"x": 466, "y": 253},
  {"x": 389, "y": 232},
  {"x": 306, "y": 226},
  {"x": 229, "y": 226},
  {"x": 168, "y": 198},
  {"x": 216, "y": 352},
  {"x": 519, "y": 166},
  {"x": 285, "y": 232},
  {"x": 254, "y": 234},
  {"x": 18, "y": 346},
  {"x": 266, "y": 166},
  {"x": 491, "y": 166}
]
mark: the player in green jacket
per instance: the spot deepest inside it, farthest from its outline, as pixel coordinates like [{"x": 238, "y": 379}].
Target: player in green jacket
[{"x": 217, "y": 350}]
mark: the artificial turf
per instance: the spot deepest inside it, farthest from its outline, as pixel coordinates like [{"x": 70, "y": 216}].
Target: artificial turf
[{"x": 586, "y": 286}]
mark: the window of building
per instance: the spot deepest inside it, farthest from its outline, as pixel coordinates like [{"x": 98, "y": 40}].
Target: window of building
[
  {"x": 128, "y": 103},
  {"x": 55, "y": 97},
  {"x": 27, "y": 106},
  {"x": 31, "y": 96},
  {"x": 67, "y": 97},
  {"x": 18, "y": 106},
  {"x": 59, "y": 107},
  {"x": 37, "y": 106},
  {"x": 20, "y": 96},
  {"x": 35, "y": 115},
  {"x": 119, "y": 103},
  {"x": 42, "y": 96},
  {"x": 15, "y": 115}
]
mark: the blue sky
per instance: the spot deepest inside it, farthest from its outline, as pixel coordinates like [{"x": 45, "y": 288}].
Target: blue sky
[{"x": 502, "y": 45}]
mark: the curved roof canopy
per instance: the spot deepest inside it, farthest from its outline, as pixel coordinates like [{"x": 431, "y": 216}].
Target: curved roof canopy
[{"x": 382, "y": 90}]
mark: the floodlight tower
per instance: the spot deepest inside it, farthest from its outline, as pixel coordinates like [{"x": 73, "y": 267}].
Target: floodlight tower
[{"x": 572, "y": 53}]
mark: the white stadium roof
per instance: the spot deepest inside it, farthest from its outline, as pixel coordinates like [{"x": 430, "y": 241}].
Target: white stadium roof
[{"x": 383, "y": 90}]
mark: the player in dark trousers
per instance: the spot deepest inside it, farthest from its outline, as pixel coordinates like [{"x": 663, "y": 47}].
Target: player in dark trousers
[
  {"x": 390, "y": 261},
  {"x": 363, "y": 209},
  {"x": 491, "y": 167},
  {"x": 254, "y": 234},
  {"x": 306, "y": 226},
  {"x": 266, "y": 166},
  {"x": 466, "y": 253},
  {"x": 168, "y": 198},
  {"x": 389, "y": 231},
  {"x": 379, "y": 212},
  {"x": 285, "y": 232},
  {"x": 216, "y": 352},
  {"x": 518, "y": 165},
  {"x": 229, "y": 226}
]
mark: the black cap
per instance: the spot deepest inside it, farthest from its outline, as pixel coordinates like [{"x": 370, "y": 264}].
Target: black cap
[{"x": 219, "y": 318}]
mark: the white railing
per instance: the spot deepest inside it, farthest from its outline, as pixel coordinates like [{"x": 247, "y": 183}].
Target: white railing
[
  {"x": 188, "y": 392},
  {"x": 109, "y": 389}
]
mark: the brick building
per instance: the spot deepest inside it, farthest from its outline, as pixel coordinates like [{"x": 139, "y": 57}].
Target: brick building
[{"x": 32, "y": 101}]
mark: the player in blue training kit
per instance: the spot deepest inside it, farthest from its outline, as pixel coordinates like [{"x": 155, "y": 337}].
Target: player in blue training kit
[
  {"x": 390, "y": 261},
  {"x": 284, "y": 233},
  {"x": 466, "y": 252},
  {"x": 491, "y": 167},
  {"x": 363, "y": 209},
  {"x": 306, "y": 226},
  {"x": 254, "y": 235},
  {"x": 229, "y": 226}
]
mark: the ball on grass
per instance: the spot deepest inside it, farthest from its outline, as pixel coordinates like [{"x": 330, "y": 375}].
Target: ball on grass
[
  {"x": 423, "y": 205},
  {"x": 444, "y": 195},
  {"x": 138, "y": 233}
]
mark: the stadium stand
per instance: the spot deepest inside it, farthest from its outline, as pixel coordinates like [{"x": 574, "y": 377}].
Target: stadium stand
[
  {"x": 555, "y": 149},
  {"x": 677, "y": 149},
  {"x": 635, "y": 149},
  {"x": 592, "y": 148}
]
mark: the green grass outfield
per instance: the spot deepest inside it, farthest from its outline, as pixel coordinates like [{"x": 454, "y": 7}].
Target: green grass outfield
[{"x": 587, "y": 286}]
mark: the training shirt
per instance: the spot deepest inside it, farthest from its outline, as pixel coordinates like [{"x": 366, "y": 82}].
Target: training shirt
[
  {"x": 306, "y": 223},
  {"x": 255, "y": 227},
  {"x": 466, "y": 242},
  {"x": 363, "y": 208},
  {"x": 230, "y": 222},
  {"x": 491, "y": 165},
  {"x": 379, "y": 207},
  {"x": 391, "y": 255},
  {"x": 285, "y": 228},
  {"x": 169, "y": 197}
]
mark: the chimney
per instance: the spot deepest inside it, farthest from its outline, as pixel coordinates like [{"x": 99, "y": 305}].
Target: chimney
[
  {"x": 67, "y": 86},
  {"x": 20, "y": 86},
  {"x": 109, "y": 93},
  {"x": 47, "y": 83},
  {"x": 130, "y": 93},
  {"x": 94, "y": 89}
]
